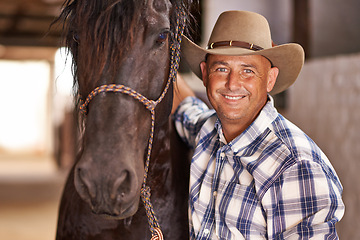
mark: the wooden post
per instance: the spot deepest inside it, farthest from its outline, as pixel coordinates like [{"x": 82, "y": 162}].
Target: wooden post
[{"x": 302, "y": 25}]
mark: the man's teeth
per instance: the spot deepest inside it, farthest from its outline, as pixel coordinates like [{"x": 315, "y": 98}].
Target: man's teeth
[{"x": 234, "y": 98}]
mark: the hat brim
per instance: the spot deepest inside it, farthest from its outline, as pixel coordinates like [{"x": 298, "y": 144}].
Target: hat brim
[{"x": 289, "y": 58}]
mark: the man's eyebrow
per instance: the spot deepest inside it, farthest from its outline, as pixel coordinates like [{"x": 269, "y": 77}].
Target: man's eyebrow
[
  {"x": 220, "y": 63},
  {"x": 227, "y": 64},
  {"x": 249, "y": 65},
  {"x": 245, "y": 65}
]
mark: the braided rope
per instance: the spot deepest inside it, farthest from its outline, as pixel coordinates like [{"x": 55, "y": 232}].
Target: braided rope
[
  {"x": 115, "y": 88},
  {"x": 150, "y": 105}
]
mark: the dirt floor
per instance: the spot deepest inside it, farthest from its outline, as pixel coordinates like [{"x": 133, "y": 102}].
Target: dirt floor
[
  {"x": 35, "y": 221},
  {"x": 29, "y": 197}
]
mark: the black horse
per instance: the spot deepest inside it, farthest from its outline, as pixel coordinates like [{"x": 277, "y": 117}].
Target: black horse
[{"x": 125, "y": 50}]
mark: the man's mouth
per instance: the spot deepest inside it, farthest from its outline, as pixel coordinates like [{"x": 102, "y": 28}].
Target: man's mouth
[{"x": 233, "y": 97}]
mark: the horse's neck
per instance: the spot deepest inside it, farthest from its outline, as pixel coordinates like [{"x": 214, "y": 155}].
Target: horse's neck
[
  {"x": 170, "y": 162},
  {"x": 160, "y": 162}
]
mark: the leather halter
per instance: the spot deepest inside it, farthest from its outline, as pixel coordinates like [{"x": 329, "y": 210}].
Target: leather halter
[{"x": 150, "y": 105}]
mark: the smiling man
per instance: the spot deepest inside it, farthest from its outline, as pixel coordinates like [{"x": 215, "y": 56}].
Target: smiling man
[
  {"x": 254, "y": 174},
  {"x": 237, "y": 88}
]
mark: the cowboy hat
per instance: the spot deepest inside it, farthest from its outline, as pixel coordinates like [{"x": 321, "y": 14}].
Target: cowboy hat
[{"x": 238, "y": 33}]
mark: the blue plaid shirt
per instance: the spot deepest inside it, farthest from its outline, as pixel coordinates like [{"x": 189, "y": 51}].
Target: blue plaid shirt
[{"x": 271, "y": 182}]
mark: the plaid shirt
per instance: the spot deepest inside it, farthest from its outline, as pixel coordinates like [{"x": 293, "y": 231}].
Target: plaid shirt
[{"x": 271, "y": 182}]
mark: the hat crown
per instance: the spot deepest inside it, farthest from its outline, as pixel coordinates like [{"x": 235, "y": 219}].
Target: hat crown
[{"x": 242, "y": 26}]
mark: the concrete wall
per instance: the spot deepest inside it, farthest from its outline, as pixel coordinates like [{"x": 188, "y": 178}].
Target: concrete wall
[{"x": 325, "y": 103}]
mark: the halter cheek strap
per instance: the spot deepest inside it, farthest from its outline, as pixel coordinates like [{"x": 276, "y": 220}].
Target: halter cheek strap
[{"x": 150, "y": 105}]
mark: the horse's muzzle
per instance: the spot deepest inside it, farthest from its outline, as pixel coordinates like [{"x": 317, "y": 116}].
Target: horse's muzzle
[{"x": 112, "y": 196}]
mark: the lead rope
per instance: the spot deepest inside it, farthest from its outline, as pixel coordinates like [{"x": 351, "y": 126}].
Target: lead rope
[{"x": 150, "y": 105}]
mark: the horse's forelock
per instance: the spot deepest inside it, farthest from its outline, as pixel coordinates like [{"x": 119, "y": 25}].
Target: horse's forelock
[{"x": 98, "y": 32}]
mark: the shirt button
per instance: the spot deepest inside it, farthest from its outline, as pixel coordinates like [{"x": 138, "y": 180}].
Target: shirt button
[
  {"x": 222, "y": 154},
  {"x": 206, "y": 232},
  {"x": 215, "y": 193}
]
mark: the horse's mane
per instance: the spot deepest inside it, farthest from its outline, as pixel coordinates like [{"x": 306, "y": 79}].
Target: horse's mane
[{"x": 105, "y": 30}]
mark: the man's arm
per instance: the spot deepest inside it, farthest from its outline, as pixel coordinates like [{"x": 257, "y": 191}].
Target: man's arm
[
  {"x": 189, "y": 112},
  {"x": 307, "y": 204},
  {"x": 181, "y": 91}
]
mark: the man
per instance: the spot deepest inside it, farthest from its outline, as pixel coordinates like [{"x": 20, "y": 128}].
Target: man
[{"x": 254, "y": 175}]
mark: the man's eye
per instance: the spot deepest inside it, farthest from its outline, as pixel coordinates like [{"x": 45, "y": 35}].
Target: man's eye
[
  {"x": 248, "y": 71},
  {"x": 221, "y": 69}
]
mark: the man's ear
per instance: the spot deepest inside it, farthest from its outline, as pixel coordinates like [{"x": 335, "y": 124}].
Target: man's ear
[
  {"x": 272, "y": 75},
  {"x": 204, "y": 73}
]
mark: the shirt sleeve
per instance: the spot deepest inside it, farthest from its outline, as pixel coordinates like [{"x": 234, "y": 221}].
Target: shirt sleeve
[
  {"x": 189, "y": 117},
  {"x": 306, "y": 203}
]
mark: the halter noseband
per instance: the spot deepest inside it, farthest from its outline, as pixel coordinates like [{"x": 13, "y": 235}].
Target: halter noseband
[{"x": 150, "y": 105}]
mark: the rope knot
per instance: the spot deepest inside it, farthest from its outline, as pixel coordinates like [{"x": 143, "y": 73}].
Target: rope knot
[{"x": 150, "y": 105}]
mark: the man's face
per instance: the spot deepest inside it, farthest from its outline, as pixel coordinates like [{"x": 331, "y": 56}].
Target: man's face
[{"x": 237, "y": 86}]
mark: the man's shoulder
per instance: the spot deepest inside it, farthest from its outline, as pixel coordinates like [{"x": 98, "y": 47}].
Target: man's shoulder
[
  {"x": 295, "y": 139},
  {"x": 289, "y": 147}
]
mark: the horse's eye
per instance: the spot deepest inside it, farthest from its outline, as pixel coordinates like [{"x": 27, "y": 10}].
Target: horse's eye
[
  {"x": 76, "y": 38},
  {"x": 162, "y": 37}
]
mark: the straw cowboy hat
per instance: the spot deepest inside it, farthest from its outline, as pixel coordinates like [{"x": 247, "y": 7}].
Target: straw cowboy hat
[{"x": 239, "y": 33}]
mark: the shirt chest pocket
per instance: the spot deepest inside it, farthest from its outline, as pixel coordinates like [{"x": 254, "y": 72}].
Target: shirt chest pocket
[{"x": 238, "y": 211}]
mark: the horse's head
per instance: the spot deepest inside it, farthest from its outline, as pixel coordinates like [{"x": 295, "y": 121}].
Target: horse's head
[{"x": 123, "y": 42}]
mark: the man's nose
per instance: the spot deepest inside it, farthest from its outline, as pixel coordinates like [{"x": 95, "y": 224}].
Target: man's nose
[{"x": 234, "y": 80}]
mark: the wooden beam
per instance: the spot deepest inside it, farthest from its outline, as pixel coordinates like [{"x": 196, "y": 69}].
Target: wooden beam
[
  {"x": 27, "y": 23},
  {"x": 302, "y": 25},
  {"x": 31, "y": 40}
]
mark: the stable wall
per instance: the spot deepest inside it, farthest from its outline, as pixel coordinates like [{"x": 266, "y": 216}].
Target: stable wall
[
  {"x": 334, "y": 23},
  {"x": 325, "y": 103}
]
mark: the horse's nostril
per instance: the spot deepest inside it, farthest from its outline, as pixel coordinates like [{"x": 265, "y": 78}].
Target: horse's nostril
[
  {"x": 120, "y": 196},
  {"x": 122, "y": 187},
  {"x": 83, "y": 184}
]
